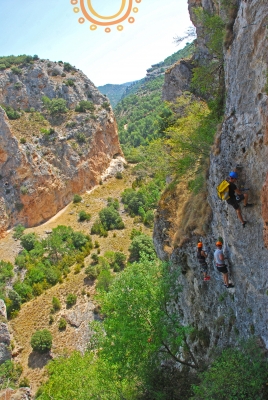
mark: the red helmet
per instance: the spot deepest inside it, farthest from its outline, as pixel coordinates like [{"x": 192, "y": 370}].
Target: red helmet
[{"x": 199, "y": 245}]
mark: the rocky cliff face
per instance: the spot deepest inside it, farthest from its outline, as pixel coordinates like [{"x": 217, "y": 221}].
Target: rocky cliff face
[
  {"x": 5, "y": 353},
  {"x": 44, "y": 158},
  {"x": 223, "y": 316},
  {"x": 177, "y": 80}
]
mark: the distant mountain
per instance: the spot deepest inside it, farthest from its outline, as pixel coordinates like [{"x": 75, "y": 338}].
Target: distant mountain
[{"x": 114, "y": 92}]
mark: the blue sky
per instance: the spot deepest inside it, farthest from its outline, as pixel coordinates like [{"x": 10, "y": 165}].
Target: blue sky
[{"x": 50, "y": 29}]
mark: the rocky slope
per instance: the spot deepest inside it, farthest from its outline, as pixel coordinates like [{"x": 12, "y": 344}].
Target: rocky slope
[
  {"x": 224, "y": 316},
  {"x": 44, "y": 158}
]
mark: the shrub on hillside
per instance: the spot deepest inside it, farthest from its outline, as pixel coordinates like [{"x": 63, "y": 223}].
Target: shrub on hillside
[
  {"x": 84, "y": 105},
  {"x": 16, "y": 70},
  {"x": 10, "y": 112},
  {"x": 69, "y": 82},
  {"x": 81, "y": 137},
  {"x": 28, "y": 241},
  {"x": 41, "y": 341},
  {"x": 56, "y": 304},
  {"x": 62, "y": 324},
  {"x": 91, "y": 272},
  {"x": 98, "y": 229},
  {"x": 83, "y": 216},
  {"x": 77, "y": 198},
  {"x": 68, "y": 67},
  {"x": 71, "y": 299},
  {"x": 119, "y": 175},
  {"x": 55, "y": 106},
  {"x": 111, "y": 219}
]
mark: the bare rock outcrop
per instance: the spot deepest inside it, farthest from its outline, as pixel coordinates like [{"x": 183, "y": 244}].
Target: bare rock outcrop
[
  {"x": 18, "y": 394},
  {"x": 177, "y": 80},
  {"x": 221, "y": 316},
  {"x": 5, "y": 353},
  {"x": 45, "y": 159}
]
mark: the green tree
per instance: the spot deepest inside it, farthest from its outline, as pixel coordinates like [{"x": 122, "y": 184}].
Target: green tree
[
  {"x": 10, "y": 373},
  {"x": 41, "y": 341},
  {"x": 110, "y": 218},
  {"x": 6, "y": 271},
  {"x": 57, "y": 106},
  {"x": 18, "y": 231},
  {"x": 139, "y": 331},
  {"x": 105, "y": 279},
  {"x": 24, "y": 290},
  {"x": 247, "y": 368},
  {"x": 28, "y": 241},
  {"x": 82, "y": 377},
  {"x": 141, "y": 244}
]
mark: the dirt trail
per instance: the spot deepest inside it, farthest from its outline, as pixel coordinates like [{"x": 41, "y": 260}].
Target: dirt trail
[{"x": 35, "y": 314}]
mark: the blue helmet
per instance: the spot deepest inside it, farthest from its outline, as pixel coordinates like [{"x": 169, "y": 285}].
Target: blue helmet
[{"x": 233, "y": 175}]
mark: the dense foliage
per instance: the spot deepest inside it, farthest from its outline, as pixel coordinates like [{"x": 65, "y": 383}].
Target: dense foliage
[
  {"x": 137, "y": 114},
  {"x": 41, "y": 341},
  {"x": 236, "y": 374},
  {"x": 185, "y": 147},
  {"x": 134, "y": 341},
  {"x": 142, "y": 199},
  {"x": 45, "y": 262},
  {"x": 10, "y": 112},
  {"x": 109, "y": 219},
  {"x": 10, "y": 373}
]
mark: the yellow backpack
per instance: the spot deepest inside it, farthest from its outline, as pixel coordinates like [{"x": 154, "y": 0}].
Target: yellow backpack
[{"x": 223, "y": 190}]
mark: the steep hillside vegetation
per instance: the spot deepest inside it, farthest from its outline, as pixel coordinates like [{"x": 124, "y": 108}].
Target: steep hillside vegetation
[
  {"x": 114, "y": 92},
  {"x": 141, "y": 112}
]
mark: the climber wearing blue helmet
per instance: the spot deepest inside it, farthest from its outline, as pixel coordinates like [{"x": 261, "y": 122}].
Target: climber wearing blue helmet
[{"x": 236, "y": 196}]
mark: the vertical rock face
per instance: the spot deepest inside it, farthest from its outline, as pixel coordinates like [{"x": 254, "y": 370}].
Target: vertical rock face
[
  {"x": 228, "y": 315},
  {"x": 40, "y": 172},
  {"x": 5, "y": 353},
  {"x": 177, "y": 80}
]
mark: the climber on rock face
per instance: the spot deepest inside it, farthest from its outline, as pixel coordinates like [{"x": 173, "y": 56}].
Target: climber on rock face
[
  {"x": 221, "y": 267},
  {"x": 236, "y": 196},
  {"x": 202, "y": 255}
]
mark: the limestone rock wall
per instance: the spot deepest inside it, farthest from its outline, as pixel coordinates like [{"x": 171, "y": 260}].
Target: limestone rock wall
[
  {"x": 177, "y": 80},
  {"x": 225, "y": 316},
  {"x": 5, "y": 353},
  {"x": 40, "y": 174}
]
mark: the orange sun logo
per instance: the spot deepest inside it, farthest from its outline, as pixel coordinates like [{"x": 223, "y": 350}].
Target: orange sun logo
[{"x": 96, "y": 19}]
